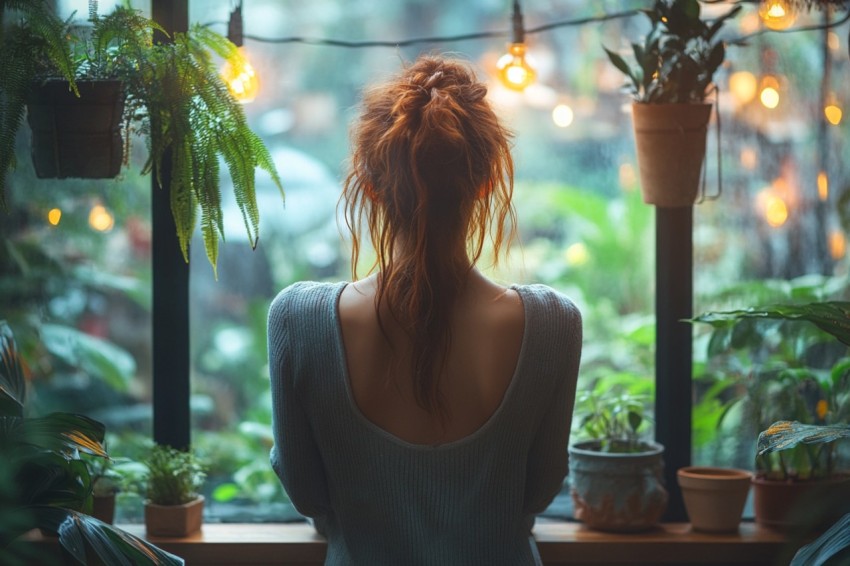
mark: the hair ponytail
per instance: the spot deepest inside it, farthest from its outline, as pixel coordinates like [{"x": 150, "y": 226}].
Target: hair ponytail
[{"x": 431, "y": 174}]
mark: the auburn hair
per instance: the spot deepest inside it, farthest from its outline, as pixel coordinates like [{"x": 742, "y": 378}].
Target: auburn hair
[{"x": 431, "y": 173}]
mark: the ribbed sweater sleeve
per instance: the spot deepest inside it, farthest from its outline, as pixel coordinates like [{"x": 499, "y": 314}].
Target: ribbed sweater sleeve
[
  {"x": 548, "y": 455},
  {"x": 295, "y": 456}
]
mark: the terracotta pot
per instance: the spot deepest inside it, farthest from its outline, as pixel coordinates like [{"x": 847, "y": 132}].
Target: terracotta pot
[
  {"x": 670, "y": 142},
  {"x": 799, "y": 505},
  {"x": 618, "y": 492},
  {"x": 174, "y": 520},
  {"x": 103, "y": 508},
  {"x": 76, "y": 137},
  {"x": 714, "y": 497}
]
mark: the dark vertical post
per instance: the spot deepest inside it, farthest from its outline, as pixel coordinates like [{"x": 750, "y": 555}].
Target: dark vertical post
[
  {"x": 673, "y": 345},
  {"x": 824, "y": 260},
  {"x": 171, "y": 422}
]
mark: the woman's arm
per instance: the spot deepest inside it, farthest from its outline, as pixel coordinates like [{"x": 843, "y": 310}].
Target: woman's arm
[{"x": 295, "y": 457}]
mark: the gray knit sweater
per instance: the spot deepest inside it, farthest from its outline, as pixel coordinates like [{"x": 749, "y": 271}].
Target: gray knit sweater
[{"x": 382, "y": 501}]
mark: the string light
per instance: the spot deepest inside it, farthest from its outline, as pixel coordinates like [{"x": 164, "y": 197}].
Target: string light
[
  {"x": 775, "y": 209},
  {"x": 777, "y": 14},
  {"x": 54, "y": 215},
  {"x": 823, "y": 186},
  {"x": 743, "y": 86},
  {"x": 101, "y": 219},
  {"x": 769, "y": 95},
  {"x": 832, "y": 111},
  {"x": 515, "y": 72},
  {"x": 837, "y": 244},
  {"x": 562, "y": 115},
  {"x": 237, "y": 72}
]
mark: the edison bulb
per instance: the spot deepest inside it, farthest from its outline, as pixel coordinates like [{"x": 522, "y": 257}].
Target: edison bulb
[
  {"x": 777, "y": 14},
  {"x": 240, "y": 77},
  {"x": 514, "y": 69}
]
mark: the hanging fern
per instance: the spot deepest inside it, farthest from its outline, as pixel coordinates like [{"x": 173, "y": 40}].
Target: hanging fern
[
  {"x": 173, "y": 93},
  {"x": 38, "y": 42}
]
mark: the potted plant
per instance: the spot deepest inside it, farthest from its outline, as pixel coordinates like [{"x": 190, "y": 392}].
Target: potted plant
[
  {"x": 615, "y": 473},
  {"x": 174, "y": 506},
  {"x": 670, "y": 81},
  {"x": 108, "y": 479},
  {"x": 46, "y": 485},
  {"x": 791, "y": 447},
  {"x": 170, "y": 91},
  {"x": 714, "y": 497},
  {"x": 810, "y": 395}
]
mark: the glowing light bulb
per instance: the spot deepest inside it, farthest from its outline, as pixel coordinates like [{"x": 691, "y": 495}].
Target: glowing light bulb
[
  {"x": 514, "y": 69},
  {"x": 749, "y": 158},
  {"x": 775, "y": 211},
  {"x": 240, "y": 77},
  {"x": 769, "y": 95},
  {"x": 777, "y": 14},
  {"x": 743, "y": 86},
  {"x": 54, "y": 215},
  {"x": 101, "y": 219},
  {"x": 833, "y": 113},
  {"x": 837, "y": 244},
  {"x": 823, "y": 186},
  {"x": 577, "y": 254},
  {"x": 562, "y": 115}
]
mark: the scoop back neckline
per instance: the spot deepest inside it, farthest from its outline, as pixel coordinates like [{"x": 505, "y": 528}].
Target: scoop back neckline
[{"x": 392, "y": 438}]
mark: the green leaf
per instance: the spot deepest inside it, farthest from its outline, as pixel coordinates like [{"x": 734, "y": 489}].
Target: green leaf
[
  {"x": 60, "y": 432},
  {"x": 12, "y": 382},
  {"x": 112, "y": 545},
  {"x": 226, "y": 492},
  {"x": 621, "y": 64},
  {"x": 96, "y": 357},
  {"x": 832, "y": 317},
  {"x": 784, "y": 435},
  {"x": 835, "y": 540}
]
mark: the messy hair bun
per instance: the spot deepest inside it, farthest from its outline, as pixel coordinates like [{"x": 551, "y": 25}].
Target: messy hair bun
[{"x": 431, "y": 174}]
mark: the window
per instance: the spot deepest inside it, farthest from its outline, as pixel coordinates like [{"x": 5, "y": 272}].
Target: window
[{"x": 583, "y": 227}]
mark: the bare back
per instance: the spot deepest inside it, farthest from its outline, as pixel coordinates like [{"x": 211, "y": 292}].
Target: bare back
[{"x": 487, "y": 332}]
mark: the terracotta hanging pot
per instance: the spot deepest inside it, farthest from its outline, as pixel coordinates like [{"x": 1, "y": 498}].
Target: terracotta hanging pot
[
  {"x": 670, "y": 141},
  {"x": 76, "y": 136},
  {"x": 714, "y": 497}
]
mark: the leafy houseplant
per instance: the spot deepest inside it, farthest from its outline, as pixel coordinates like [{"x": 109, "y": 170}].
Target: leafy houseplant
[
  {"x": 616, "y": 475},
  {"x": 674, "y": 67},
  {"x": 174, "y": 506},
  {"x": 792, "y": 463},
  {"x": 808, "y": 504},
  {"x": 46, "y": 483},
  {"x": 170, "y": 91}
]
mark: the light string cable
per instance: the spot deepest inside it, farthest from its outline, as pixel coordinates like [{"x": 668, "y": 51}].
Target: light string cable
[
  {"x": 435, "y": 39},
  {"x": 353, "y": 44}
]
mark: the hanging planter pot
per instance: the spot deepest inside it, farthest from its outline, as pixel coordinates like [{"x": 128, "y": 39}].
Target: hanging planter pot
[
  {"x": 76, "y": 136},
  {"x": 670, "y": 142}
]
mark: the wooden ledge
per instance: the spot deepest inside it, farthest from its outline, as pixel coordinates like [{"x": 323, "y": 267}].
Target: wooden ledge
[{"x": 559, "y": 543}]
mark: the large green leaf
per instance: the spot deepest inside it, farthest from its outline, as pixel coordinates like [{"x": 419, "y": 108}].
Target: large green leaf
[
  {"x": 59, "y": 432},
  {"x": 826, "y": 546},
  {"x": 112, "y": 545},
  {"x": 96, "y": 357},
  {"x": 784, "y": 435},
  {"x": 12, "y": 383},
  {"x": 832, "y": 317}
]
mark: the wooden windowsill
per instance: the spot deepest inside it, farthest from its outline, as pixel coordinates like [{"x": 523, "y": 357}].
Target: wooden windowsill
[{"x": 559, "y": 543}]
